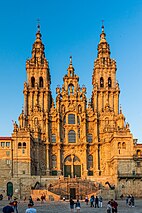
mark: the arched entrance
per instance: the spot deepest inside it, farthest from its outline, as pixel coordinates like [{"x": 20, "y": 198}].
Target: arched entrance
[
  {"x": 9, "y": 188},
  {"x": 72, "y": 166}
]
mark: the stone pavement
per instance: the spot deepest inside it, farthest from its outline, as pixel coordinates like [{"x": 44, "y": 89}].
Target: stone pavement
[{"x": 63, "y": 207}]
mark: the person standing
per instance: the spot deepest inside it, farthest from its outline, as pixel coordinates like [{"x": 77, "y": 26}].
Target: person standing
[
  {"x": 30, "y": 209},
  {"x": 91, "y": 202},
  {"x": 127, "y": 199},
  {"x": 8, "y": 208},
  {"x": 86, "y": 200},
  {"x": 77, "y": 205},
  {"x": 114, "y": 205},
  {"x": 100, "y": 201},
  {"x": 109, "y": 208},
  {"x": 71, "y": 205},
  {"x": 31, "y": 200},
  {"x": 96, "y": 202},
  {"x": 15, "y": 205}
]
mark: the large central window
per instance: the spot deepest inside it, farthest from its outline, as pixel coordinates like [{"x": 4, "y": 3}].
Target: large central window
[
  {"x": 71, "y": 119},
  {"x": 71, "y": 136}
]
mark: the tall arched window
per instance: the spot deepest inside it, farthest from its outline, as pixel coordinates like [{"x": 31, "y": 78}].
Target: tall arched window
[
  {"x": 41, "y": 82},
  {"x": 101, "y": 82},
  {"x": 32, "y": 81},
  {"x": 71, "y": 119},
  {"x": 24, "y": 145},
  {"x": 109, "y": 82},
  {"x": 19, "y": 145},
  {"x": 119, "y": 145},
  {"x": 123, "y": 145},
  {"x": 71, "y": 136}
]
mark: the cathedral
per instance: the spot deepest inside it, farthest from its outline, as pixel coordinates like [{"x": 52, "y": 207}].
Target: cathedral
[{"x": 69, "y": 141}]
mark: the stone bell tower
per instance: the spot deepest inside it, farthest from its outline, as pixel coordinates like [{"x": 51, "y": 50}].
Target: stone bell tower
[
  {"x": 33, "y": 128},
  {"x": 105, "y": 88},
  {"x": 111, "y": 127}
]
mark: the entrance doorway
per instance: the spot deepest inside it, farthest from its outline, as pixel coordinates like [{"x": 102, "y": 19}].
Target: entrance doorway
[
  {"x": 9, "y": 189},
  {"x": 73, "y": 193},
  {"x": 72, "y": 166}
]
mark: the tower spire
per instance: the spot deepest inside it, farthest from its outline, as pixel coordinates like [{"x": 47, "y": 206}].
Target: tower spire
[
  {"x": 102, "y": 25},
  {"x": 103, "y": 46},
  {"x": 70, "y": 60},
  {"x": 103, "y": 35},
  {"x": 70, "y": 68},
  {"x": 38, "y": 25}
]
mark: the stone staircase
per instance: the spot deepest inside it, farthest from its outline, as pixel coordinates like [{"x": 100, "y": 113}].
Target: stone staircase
[
  {"x": 82, "y": 187},
  {"x": 37, "y": 193}
]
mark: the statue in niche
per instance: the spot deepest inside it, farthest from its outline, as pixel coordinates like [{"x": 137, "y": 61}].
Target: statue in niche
[
  {"x": 36, "y": 121},
  {"x": 79, "y": 109}
]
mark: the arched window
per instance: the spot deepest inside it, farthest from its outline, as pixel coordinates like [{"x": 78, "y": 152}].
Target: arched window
[
  {"x": 24, "y": 145},
  {"x": 138, "y": 152},
  {"x": 19, "y": 145},
  {"x": 41, "y": 82},
  {"x": 70, "y": 89},
  {"x": 53, "y": 138},
  {"x": 32, "y": 81},
  {"x": 109, "y": 82},
  {"x": 89, "y": 138},
  {"x": 54, "y": 161},
  {"x": 101, "y": 82},
  {"x": 71, "y": 136},
  {"x": 90, "y": 161},
  {"x": 119, "y": 145},
  {"x": 123, "y": 145},
  {"x": 71, "y": 119}
]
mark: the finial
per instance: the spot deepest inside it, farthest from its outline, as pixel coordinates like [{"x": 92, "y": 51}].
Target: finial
[
  {"x": 38, "y": 25},
  {"x": 102, "y": 26},
  {"x": 70, "y": 59}
]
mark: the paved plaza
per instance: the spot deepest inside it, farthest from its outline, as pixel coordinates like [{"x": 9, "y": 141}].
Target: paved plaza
[{"x": 63, "y": 207}]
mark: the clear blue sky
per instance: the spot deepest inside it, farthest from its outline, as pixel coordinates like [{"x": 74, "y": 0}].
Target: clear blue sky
[{"x": 71, "y": 28}]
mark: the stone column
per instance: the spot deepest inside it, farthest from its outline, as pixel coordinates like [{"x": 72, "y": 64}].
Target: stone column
[
  {"x": 72, "y": 156},
  {"x": 59, "y": 161},
  {"x": 25, "y": 102},
  {"x": 116, "y": 102},
  {"x": 47, "y": 159}
]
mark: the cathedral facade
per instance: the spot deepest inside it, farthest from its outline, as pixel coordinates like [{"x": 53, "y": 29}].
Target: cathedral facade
[{"x": 70, "y": 138}]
